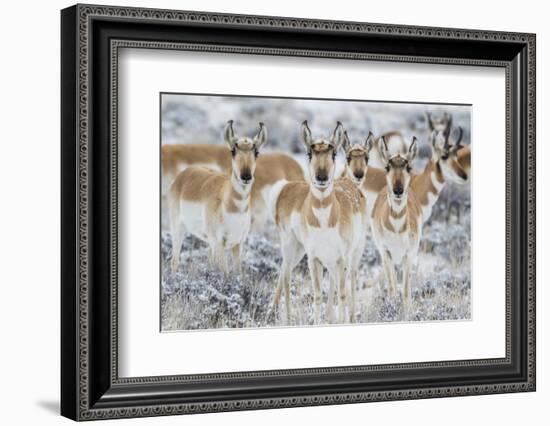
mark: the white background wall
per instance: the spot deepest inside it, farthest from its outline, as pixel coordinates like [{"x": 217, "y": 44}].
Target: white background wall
[{"x": 29, "y": 211}]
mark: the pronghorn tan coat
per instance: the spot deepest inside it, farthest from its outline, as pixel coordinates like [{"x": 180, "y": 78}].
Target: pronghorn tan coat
[
  {"x": 397, "y": 221},
  {"x": 375, "y": 178},
  {"x": 215, "y": 206},
  {"x": 449, "y": 161},
  {"x": 355, "y": 172},
  {"x": 271, "y": 168},
  {"x": 324, "y": 219}
]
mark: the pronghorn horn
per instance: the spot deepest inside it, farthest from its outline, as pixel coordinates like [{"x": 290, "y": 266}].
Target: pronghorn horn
[
  {"x": 458, "y": 143},
  {"x": 447, "y": 131},
  {"x": 430, "y": 123},
  {"x": 460, "y": 135},
  {"x": 449, "y": 125},
  {"x": 446, "y": 144}
]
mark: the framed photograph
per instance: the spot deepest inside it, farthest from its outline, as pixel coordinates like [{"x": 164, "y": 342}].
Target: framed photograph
[{"x": 263, "y": 212}]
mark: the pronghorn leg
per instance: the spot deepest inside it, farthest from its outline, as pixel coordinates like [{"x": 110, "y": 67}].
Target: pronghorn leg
[
  {"x": 287, "y": 269},
  {"x": 218, "y": 256},
  {"x": 211, "y": 260},
  {"x": 353, "y": 272},
  {"x": 341, "y": 279},
  {"x": 278, "y": 291},
  {"x": 283, "y": 285},
  {"x": 409, "y": 264},
  {"x": 236, "y": 252},
  {"x": 283, "y": 275},
  {"x": 333, "y": 285},
  {"x": 351, "y": 302},
  {"x": 292, "y": 253},
  {"x": 389, "y": 270},
  {"x": 177, "y": 231},
  {"x": 406, "y": 279},
  {"x": 316, "y": 273}
]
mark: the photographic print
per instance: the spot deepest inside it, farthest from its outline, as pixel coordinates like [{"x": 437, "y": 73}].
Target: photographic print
[{"x": 303, "y": 212}]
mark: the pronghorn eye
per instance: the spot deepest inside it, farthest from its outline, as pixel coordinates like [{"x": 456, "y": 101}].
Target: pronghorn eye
[
  {"x": 409, "y": 169},
  {"x": 233, "y": 152},
  {"x": 445, "y": 156},
  {"x": 387, "y": 168},
  {"x": 348, "y": 158},
  {"x": 256, "y": 153},
  {"x": 309, "y": 155},
  {"x": 333, "y": 155}
]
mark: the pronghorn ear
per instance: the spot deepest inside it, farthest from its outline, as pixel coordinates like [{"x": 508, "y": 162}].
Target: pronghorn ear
[
  {"x": 229, "y": 135},
  {"x": 337, "y": 136},
  {"x": 369, "y": 142},
  {"x": 383, "y": 148},
  {"x": 346, "y": 144},
  {"x": 413, "y": 150},
  {"x": 305, "y": 135},
  {"x": 261, "y": 137}
]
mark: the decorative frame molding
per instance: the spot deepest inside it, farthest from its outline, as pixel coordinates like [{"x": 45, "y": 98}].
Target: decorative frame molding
[{"x": 91, "y": 388}]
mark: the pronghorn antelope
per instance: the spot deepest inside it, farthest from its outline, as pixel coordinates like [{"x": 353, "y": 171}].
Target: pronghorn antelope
[
  {"x": 271, "y": 168},
  {"x": 214, "y": 206},
  {"x": 356, "y": 169},
  {"x": 375, "y": 177},
  {"x": 444, "y": 125},
  {"x": 357, "y": 159},
  {"x": 397, "y": 219},
  {"x": 325, "y": 219},
  {"x": 450, "y": 161}
]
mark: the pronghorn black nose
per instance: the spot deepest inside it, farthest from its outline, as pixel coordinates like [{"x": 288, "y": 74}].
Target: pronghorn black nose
[
  {"x": 322, "y": 177},
  {"x": 359, "y": 175},
  {"x": 246, "y": 176},
  {"x": 398, "y": 189}
]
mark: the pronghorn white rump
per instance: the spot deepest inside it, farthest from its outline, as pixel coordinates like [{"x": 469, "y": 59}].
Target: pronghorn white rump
[
  {"x": 397, "y": 220},
  {"x": 215, "y": 206},
  {"x": 324, "y": 219}
]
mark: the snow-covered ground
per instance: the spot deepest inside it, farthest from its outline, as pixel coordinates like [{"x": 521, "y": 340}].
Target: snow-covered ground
[{"x": 198, "y": 296}]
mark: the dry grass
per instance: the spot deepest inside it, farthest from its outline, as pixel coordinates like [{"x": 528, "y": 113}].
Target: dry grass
[{"x": 200, "y": 297}]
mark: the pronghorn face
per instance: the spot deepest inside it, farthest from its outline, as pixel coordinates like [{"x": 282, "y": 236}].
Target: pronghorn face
[
  {"x": 440, "y": 124},
  {"x": 244, "y": 151},
  {"x": 322, "y": 155},
  {"x": 357, "y": 158},
  {"x": 398, "y": 170},
  {"x": 446, "y": 153}
]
